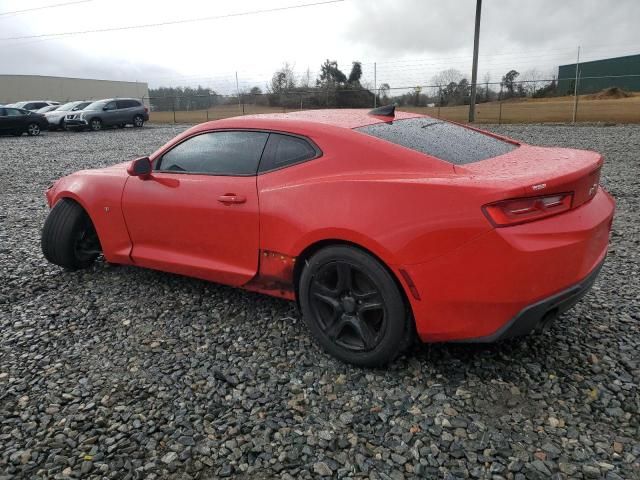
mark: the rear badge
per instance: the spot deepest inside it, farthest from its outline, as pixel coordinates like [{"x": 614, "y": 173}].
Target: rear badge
[{"x": 540, "y": 186}]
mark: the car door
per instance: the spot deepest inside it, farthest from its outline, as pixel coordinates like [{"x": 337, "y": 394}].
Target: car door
[
  {"x": 110, "y": 113},
  {"x": 198, "y": 213},
  {"x": 4, "y": 121},
  {"x": 124, "y": 111},
  {"x": 14, "y": 119}
]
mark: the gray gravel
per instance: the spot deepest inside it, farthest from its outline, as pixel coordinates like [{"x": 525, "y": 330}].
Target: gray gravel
[{"x": 117, "y": 372}]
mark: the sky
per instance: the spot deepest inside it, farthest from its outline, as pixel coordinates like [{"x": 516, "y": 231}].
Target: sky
[{"x": 408, "y": 40}]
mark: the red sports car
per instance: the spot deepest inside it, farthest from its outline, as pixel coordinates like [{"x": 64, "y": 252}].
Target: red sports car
[{"x": 382, "y": 224}]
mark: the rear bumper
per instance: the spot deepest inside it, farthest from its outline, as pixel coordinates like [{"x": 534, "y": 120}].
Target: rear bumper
[
  {"x": 538, "y": 316},
  {"x": 506, "y": 280}
]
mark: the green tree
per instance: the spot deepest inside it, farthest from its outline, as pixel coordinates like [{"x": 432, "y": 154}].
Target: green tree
[
  {"x": 355, "y": 74},
  {"x": 508, "y": 82},
  {"x": 330, "y": 74}
]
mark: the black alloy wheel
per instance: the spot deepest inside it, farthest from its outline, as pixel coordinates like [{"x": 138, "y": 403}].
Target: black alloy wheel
[
  {"x": 95, "y": 124},
  {"x": 353, "y": 306},
  {"x": 33, "y": 129},
  {"x": 69, "y": 238},
  {"x": 138, "y": 121}
]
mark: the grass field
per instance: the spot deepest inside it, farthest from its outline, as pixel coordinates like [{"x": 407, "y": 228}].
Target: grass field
[{"x": 556, "y": 109}]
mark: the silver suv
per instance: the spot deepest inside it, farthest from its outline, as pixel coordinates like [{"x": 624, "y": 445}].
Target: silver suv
[
  {"x": 110, "y": 112},
  {"x": 33, "y": 105}
]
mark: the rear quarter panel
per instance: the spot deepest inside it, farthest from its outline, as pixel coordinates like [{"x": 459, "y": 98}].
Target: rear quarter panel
[{"x": 401, "y": 205}]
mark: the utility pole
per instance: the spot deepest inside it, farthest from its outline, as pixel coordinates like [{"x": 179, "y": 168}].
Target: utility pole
[
  {"x": 575, "y": 88},
  {"x": 474, "y": 71},
  {"x": 240, "y": 105},
  {"x": 375, "y": 87}
]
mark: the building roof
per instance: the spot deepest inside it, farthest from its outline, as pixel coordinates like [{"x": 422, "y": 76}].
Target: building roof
[{"x": 624, "y": 58}]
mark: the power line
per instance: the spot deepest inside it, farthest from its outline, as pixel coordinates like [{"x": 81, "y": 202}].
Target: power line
[
  {"x": 56, "y": 5},
  {"x": 172, "y": 22}
]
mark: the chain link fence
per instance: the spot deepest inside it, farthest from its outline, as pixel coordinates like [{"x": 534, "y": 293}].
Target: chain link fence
[{"x": 531, "y": 101}]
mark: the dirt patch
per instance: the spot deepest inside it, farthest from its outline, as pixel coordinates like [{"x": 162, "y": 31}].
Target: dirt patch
[{"x": 610, "y": 93}]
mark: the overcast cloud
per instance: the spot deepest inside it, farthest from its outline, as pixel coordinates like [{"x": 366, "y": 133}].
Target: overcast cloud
[{"x": 409, "y": 39}]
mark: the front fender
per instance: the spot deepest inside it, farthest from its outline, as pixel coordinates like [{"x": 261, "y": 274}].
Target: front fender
[{"x": 99, "y": 192}]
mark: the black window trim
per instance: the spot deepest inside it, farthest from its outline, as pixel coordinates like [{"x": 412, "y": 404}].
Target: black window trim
[
  {"x": 158, "y": 161},
  {"x": 311, "y": 143}
]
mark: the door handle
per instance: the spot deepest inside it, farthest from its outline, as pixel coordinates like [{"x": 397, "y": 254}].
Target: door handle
[{"x": 232, "y": 198}]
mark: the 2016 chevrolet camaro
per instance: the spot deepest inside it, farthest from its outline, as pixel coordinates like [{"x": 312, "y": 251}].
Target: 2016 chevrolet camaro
[{"x": 381, "y": 224}]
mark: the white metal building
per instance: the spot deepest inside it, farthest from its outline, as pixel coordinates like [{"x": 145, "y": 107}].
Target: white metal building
[{"x": 15, "y": 88}]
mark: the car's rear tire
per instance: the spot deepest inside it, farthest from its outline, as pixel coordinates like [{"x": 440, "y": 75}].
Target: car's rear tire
[
  {"x": 353, "y": 306},
  {"x": 95, "y": 124},
  {"x": 69, "y": 238},
  {"x": 33, "y": 129},
  {"x": 62, "y": 125},
  {"x": 138, "y": 121}
]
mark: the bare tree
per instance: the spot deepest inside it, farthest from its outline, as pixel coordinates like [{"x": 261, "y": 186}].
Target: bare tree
[
  {"x": 383, "y": 92},
  {"x": 530, "y": 80},
  {"x": 283, "y": 79},
  {"x": 446, "y": 77}
]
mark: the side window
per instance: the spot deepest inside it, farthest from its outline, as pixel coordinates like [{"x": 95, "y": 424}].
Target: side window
[
  {"x": 13, "y": 112},
  {"x": 3, "y": 113},
  {"x": 110, "y": 106},
  {"x": 216, "y": 153},
  {"x": 127, "y": 104},
  {"x": 284, "y": 150}
]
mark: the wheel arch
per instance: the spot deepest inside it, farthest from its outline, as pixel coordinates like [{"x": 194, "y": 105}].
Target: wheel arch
[
  {"x": 104, "y": 211},
  {"x": 68, "y": 195},
  {"x": 316, "y": 246}
]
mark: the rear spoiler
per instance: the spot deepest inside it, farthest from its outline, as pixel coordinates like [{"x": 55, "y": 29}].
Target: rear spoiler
[{"x": 385, "y": 111}]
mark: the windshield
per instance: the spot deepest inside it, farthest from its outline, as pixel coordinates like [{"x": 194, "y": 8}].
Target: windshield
[
  {"x": 67, "y": 106},
  {"x": 81, "y": 106}
]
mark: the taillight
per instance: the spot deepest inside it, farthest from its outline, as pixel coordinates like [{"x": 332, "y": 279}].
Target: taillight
[
  {"x": 521, "y": 210},
  {"x": 146, "y": 110}
]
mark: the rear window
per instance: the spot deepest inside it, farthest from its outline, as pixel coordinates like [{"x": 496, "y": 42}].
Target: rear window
[{"x": 446, "y": 141}]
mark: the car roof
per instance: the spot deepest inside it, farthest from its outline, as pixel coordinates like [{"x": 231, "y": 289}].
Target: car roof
[
  {"x": 304, "y": 120},
  {"x": 343, "y": 117},
  {"x": 114, "y": 99}
]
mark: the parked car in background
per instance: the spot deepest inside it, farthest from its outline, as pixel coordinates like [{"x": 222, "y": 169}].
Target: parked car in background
[
  {"x": 33, "y": 105},
  {"x": 57, "y": 117},
  {"x": 112, "y": 112},
  {"x": 48, "y": 108},
  {"x": 16, "y": 121}
]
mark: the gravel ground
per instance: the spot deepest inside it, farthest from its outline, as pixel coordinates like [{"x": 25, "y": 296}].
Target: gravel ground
[{"x": 117, "y": 372}]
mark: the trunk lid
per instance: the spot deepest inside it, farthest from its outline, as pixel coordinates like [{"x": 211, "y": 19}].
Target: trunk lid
[{"x": 534, "y": 171}]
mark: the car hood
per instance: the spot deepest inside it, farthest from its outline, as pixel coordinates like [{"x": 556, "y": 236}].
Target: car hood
[{"x": 56, "y": 114}]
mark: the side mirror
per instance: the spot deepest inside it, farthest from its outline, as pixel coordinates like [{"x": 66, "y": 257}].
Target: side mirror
[
  {"x": 104, "y": 109},
  {"x": 140, "y": 167}
]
